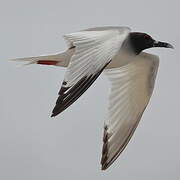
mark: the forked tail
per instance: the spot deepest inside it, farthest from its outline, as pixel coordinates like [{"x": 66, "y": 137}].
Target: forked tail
[{"x": 61, "y": 59}]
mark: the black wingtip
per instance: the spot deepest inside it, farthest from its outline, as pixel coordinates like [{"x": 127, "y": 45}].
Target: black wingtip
[
  {"x": 54, "y": 114},
  {"x": 56, "y": 111},
  {"x": 69, "y": 94},
  {"x": 103, "y": 168}
]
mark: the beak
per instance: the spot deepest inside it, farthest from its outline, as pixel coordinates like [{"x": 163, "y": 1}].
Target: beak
[{"x": 162, "y": 44}]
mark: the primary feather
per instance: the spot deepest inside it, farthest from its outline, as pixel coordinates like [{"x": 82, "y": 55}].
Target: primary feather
[{"x": 94, "y": 49}]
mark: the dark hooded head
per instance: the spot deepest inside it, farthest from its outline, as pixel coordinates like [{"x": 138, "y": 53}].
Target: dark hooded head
[{"x": 140, "y": 41}]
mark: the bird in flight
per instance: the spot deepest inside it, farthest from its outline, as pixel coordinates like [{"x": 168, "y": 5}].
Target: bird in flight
[{"x": 118, "y": 53}]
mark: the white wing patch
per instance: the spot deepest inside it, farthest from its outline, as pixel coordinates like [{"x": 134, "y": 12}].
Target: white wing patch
[
  {"x": 93, "y": 51},
  {"x": 132, "y": 86}
]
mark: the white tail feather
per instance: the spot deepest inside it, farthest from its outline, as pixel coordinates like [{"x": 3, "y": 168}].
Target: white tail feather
[{"x": 61, "y": 59}]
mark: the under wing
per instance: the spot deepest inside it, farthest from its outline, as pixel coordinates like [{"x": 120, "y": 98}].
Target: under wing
[{"x": 132, "y": 86}]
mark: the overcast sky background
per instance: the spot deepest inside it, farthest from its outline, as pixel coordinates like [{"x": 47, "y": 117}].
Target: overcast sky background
[{"x": 35, "y": 146}]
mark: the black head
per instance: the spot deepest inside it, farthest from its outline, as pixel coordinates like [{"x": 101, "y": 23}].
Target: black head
[{"x": 140, "y": 41}]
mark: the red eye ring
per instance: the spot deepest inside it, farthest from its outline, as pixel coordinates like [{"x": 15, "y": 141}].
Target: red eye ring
[{"x": 146, "y": 36}]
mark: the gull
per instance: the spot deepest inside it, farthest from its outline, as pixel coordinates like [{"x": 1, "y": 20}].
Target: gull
[{"x": 118, "y": 53}]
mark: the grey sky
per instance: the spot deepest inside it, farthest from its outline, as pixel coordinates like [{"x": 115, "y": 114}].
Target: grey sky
[{"x": 35, "y": 146}]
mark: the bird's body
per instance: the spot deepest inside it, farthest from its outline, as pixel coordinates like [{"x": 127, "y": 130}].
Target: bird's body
[{"x": 118, "y": 53}]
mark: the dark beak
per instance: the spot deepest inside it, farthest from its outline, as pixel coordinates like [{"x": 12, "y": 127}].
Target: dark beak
[{"x": 162, "y": 44}]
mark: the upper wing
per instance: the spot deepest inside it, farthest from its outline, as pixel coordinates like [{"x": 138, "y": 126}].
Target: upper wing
[
  {"x": 132, "y": 86},
  {"x": 93, "y": 51}
]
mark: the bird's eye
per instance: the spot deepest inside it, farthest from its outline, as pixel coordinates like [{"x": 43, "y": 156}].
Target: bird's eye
[{"x": 146, "y": 36}]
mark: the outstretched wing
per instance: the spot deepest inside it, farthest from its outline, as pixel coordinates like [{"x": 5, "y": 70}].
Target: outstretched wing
[
  {"x": 94, "y": 49},
  {"x": 132, "y": 86}
]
